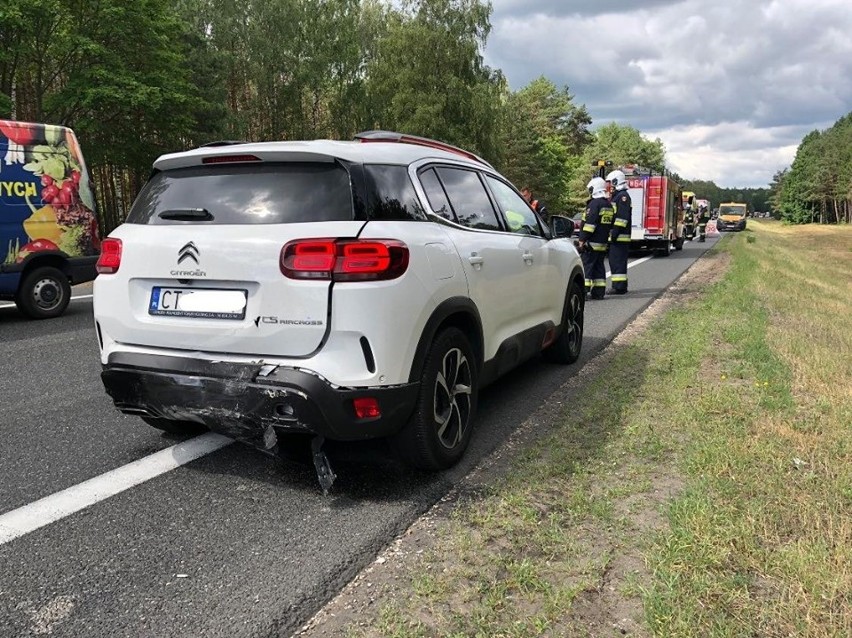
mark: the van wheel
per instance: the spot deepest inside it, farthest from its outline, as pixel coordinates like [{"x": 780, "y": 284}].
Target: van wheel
[
  {"x": 44, "y": 293},
  {"x": 181, "y": 428},
  {"x": 566, "y": 349},
  {"x": 666, "y": 250},
  {"x": 438, "y": 433},
  {"x": 678, "y": 245}
]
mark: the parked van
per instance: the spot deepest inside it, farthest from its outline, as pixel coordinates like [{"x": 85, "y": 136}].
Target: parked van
[{"x": 48, "y": 227}]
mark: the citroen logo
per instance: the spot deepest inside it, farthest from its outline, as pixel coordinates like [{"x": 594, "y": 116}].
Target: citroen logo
[{"x": 189, "y": 251}]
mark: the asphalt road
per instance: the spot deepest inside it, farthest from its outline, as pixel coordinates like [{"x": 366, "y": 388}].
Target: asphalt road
[{"x": 234, "y": 543}]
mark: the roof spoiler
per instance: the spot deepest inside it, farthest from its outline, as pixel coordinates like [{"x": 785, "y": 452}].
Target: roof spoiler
[
  {"x": 222, "y": 143},
  {"x": 403, "y": 138}
]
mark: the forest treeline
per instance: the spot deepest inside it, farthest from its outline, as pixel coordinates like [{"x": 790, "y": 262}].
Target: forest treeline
[{"x": 138, "y": 78}]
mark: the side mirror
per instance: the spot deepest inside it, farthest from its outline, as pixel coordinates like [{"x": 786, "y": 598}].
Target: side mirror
[{"x": 561, "y": 226}]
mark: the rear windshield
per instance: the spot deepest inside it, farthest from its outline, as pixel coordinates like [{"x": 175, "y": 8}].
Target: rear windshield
[{"x": 246, "y": 194}]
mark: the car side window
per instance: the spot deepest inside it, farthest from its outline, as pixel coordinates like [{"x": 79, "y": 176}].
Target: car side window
[
  {"x": 435, "y": 194},
  {"x": 519, "y": 216},
  {"x": 469, "y": 199},
  {"x": 391, "y": 195}
]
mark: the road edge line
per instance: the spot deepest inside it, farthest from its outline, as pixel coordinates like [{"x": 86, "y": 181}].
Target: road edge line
[{"x": 59, "y": 505}]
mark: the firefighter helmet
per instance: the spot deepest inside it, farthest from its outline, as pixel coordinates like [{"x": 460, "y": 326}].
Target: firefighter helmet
[
  {"x": 597, "y": 187},
  {"x": 618, "y": 180}
]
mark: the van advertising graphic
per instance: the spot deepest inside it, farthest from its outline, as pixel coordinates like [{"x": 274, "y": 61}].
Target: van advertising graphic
[{"x": 46, "y": 201}]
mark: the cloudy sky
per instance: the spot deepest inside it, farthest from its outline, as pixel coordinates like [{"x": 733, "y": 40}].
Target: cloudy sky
[{"x": 731, "y": 87}]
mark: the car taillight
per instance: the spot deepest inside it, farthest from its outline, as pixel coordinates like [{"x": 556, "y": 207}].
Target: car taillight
[
  {"x": 366, "y": 408},
  {"x": 344, "y": 259},
  {"x": 310, "y": 259},
  {"x": 110, "y": 258}
]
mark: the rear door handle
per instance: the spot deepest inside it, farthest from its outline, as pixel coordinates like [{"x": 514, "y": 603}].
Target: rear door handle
[
  {"x": 528, "y": 257},
  {"x": 476, "y": 259}
]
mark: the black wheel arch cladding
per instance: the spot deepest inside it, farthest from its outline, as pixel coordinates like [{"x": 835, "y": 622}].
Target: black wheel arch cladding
[{"x": 460, "y": 312}]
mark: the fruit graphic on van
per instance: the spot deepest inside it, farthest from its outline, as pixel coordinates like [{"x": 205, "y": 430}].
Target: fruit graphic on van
[
  {"x": 42, "y": 224},
  {"x": 34, "y": 247},
  {"x": 19, "y": 132}
]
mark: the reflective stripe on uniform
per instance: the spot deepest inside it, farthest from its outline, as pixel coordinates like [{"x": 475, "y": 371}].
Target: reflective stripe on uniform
[
  {"x": 597, "y": 247},
  {"x": 623, "y": 238},
  {"x": 616, "y": 278},
  {"x": 620, "y": 222},
  {"x": 599, "y": 283},
  {"x": 588, "y": 283},
  {"x": 589, "y": 228}
]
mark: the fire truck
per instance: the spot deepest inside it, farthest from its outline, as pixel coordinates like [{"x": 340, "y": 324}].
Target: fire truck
[{"x": 657, "y": 222}]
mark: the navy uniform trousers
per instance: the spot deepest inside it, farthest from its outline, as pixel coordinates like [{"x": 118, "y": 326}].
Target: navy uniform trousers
[{"x": 595, "y": 267}]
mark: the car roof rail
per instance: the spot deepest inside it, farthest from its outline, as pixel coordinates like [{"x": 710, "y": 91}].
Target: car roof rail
[
  {"x": 222, "y": 143},
  {"x": 404, "y": 138}
]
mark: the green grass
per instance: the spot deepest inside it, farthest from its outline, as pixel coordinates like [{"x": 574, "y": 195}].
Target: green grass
[
  {"x": 760, "y": 542},
  {"x": 703, "y": 478}
]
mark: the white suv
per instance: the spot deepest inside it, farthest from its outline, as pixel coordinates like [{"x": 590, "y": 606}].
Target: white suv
[{"x": 343, "y": 290}]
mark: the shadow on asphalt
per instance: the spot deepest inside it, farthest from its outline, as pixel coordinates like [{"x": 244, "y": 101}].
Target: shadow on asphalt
[{"x": 368, "y": 470}]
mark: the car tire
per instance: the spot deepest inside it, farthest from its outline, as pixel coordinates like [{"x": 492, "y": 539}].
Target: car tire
[
  {"x": 439, "y": 431},
  {"x": 566, "y": 349},
  {"x": 44, "y": 293},
  {"x": 666, "y": 250},
  {"x": 181, "y": 428},
  {"x": 678, "y": 245}
]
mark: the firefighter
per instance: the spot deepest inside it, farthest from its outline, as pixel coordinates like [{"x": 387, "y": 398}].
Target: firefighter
[
  {"x": 689, "y": 222},
  {"x": 594, "y": 234},
  {"x": 620, "y": 234},
  {"x": 703, "y": 218}
]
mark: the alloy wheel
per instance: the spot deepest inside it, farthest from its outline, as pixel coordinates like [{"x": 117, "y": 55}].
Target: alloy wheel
[
  {"x": 574, "y": 323},
  {"x": 452, "y": 398}
]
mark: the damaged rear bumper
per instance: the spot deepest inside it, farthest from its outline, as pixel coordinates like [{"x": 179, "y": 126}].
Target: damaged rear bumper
[{"x": 250, "y": 402}]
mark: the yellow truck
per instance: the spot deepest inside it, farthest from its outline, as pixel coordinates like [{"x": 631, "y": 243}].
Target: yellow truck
[{"x": 732, "y": 216}]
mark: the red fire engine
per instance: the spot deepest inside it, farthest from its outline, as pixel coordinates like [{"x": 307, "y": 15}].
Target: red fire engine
[{"x": 657, "y": 210}]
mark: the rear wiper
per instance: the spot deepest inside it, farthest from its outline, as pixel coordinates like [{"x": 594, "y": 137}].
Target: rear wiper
[{"x": 186, "y": 214}]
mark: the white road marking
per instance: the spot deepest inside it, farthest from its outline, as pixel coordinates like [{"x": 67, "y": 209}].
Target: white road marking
[
  {"x": 632, "y": 263},
  {"x": 57, "y": 506},
  {"x": 78, "y": 297}
]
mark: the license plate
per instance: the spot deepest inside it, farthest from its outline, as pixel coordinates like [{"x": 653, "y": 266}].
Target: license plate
[{"x": 200, "y": 303}]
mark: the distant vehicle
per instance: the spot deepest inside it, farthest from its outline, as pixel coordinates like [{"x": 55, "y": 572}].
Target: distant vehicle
[
  {"x": 578, "y": 222},
  {"x": 657, "y": 211},
  {"x": 48, "y": 227},
  {"x": 339, "y": 290},
  {"x": 732, "y": 216}
]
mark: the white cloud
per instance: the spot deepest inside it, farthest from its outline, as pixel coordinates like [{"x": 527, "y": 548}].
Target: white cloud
[
  {"x": 730, "y": 148},
  {"x": 743, "y": 77}
]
